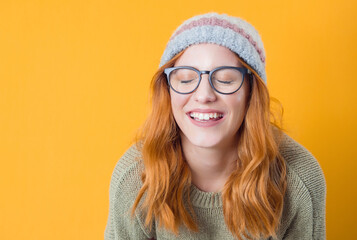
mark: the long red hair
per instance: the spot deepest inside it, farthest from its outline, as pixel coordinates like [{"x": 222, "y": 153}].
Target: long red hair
[{"x": 253, "y": 194}]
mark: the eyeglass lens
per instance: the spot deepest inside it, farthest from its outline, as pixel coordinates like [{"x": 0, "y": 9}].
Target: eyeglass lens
[{"x": 226, "y": 80}]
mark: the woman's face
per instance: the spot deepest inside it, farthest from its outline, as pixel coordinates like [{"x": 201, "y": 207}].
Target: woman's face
[{"x": 215, "y": 132}]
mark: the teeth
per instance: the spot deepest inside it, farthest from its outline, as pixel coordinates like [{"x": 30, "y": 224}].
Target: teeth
[{"x": 205, "y": 116}]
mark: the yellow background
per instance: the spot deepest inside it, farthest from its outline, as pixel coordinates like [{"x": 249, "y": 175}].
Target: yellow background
[{"x": 74, "y": 78}]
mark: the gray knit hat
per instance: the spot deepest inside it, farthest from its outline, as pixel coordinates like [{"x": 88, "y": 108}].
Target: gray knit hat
[{"x": 231, "y": 32}]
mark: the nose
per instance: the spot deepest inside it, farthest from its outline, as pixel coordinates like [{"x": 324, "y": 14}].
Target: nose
[{"x": 204, "y": 93}]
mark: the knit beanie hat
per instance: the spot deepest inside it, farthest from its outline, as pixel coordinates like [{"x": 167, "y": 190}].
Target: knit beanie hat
[{"x": 231, "y": 32}]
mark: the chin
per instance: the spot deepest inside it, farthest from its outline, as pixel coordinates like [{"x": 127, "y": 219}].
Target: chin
[{"x": 204, "y": 141}]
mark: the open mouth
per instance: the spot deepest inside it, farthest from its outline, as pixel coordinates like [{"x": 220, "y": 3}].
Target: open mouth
[{"x": 205, "y": 117}]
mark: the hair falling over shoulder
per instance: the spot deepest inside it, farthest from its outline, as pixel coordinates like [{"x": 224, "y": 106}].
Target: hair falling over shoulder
[{"x": 254, "y": 193}]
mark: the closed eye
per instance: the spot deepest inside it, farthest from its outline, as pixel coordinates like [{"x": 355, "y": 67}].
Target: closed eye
[
  {"x": 186, "y": 81},
  {"x": 224, "y": 82}
]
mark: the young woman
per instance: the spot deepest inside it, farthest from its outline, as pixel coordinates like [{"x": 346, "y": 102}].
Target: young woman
[{"x": 209, "y": 163}]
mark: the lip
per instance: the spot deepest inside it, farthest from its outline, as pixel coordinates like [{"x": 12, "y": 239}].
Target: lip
[
  {"x": 205, "y": 124},
  {"x": 205, "y": 111}
]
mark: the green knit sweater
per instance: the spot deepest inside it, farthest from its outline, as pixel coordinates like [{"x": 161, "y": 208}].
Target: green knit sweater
[{"x": 303, "y": 213}]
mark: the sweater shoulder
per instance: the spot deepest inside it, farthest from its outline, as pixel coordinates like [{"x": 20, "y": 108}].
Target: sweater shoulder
[
  {"x": 305, "y": 199},
  {"x": 125, "y": 185},
  {"x": 304, "y": 168},
  {"x": 128, "y": 164},
  {"x": 301, "y": 161},
  {"x": 126, "y": 177}
]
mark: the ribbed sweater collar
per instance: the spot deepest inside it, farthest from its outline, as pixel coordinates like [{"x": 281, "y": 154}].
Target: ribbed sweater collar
[{"x": 205, "y": 199}]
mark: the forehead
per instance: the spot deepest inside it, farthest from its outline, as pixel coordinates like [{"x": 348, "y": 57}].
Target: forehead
[{"x": 208, "y": 56}]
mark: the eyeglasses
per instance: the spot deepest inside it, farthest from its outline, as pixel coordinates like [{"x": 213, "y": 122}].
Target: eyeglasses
[{"x": 224, "y": 80}]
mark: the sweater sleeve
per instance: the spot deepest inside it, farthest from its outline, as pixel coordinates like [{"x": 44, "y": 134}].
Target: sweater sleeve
[
  {"x": 124, "y": 186},
  {"x": 308, "y": 220}
]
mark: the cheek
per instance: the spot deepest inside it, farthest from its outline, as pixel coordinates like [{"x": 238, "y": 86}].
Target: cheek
[
  {"x": 241, "y": 101},
  {"x": 178, "y": 102},
  {"x": 238, "y": 105}
]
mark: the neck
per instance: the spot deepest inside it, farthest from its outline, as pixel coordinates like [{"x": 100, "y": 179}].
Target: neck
[{"x": 210, "y": 167}]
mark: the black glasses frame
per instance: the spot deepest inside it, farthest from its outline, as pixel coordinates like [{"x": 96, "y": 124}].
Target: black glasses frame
[{"x": 168, "y": 71}]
